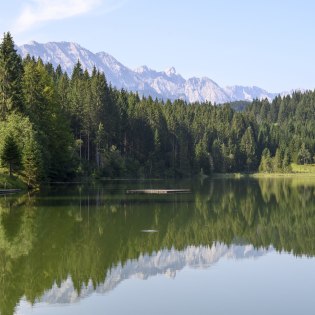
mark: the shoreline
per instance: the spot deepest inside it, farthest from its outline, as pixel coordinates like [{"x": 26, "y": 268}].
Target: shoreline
[
  {"x": 8, "y": 184},
  {"x": 9, "y": 191},
  {"x": 263, "y": 175},
  {"x": 13, "y": 185},
  {"x": 283, "y": 175}
]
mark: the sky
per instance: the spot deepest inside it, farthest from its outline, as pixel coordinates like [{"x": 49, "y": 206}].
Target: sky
[{"x": 269, "y": 43}]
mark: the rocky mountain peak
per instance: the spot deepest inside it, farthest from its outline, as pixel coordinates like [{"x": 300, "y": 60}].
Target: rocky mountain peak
[{"x": 166, "y": 84}]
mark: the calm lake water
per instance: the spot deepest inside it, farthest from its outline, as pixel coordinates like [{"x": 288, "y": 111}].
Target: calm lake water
[{"x": 230, "y": 247}]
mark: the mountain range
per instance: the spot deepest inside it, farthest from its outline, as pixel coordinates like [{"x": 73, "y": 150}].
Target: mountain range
[{"x": 166, "y": 84}]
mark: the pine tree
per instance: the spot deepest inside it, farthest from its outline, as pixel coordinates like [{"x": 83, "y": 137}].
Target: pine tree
[
  {"x": 217, "y": 156},
  {"x": 266, "y": 162},
  {"x": 32, "y": 162},
  {"x": 202, "y": 157},
  {"x": 304, "y": 155},
  {"x": 77, "y": 94},
  {"x": 286, "y": 163},
  {"x": 248, "y": 148},
  {"x": 277, "y": 161},
  {"x": 33, "y": 94},
  {"x": 100, "y": 139},
  {"x": 10, "y": 77},
  {"x": 11, "y": 155}
]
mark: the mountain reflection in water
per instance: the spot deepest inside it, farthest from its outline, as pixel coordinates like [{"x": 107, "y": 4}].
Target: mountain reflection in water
[{"x": 166, "y": 262}]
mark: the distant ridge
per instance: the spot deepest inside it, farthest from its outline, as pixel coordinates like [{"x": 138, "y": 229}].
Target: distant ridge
[{"x": 166, "y": 84}]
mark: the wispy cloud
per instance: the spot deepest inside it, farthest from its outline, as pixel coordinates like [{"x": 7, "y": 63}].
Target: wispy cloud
[{"x": 38, "y": 11}]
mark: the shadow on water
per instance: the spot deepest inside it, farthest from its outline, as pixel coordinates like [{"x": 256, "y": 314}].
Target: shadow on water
[{"x": 86, "y": 232}]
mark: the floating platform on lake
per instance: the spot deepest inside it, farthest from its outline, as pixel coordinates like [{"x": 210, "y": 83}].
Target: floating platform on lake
[
  {"x": 9, "y": 191},
  {"x": 158, "y": 191}
]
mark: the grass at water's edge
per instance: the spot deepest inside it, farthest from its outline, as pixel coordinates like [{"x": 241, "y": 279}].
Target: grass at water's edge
[
  {"x": 7, "y": 182},
  {"x": 282, "y": 175},
  {"x": 306, "y": 168},
  {"x": 299, "y": 171}
]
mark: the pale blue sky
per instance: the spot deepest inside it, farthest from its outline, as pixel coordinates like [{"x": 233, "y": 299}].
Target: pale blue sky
[{"x": 268, "y": 43}]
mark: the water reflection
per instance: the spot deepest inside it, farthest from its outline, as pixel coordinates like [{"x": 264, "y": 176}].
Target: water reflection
[
  {"x": 66, "y": 243},
  {"x": 164, "y": 262}
]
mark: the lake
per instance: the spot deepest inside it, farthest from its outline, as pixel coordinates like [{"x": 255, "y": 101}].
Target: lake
[{"x": 231, "y": 246}]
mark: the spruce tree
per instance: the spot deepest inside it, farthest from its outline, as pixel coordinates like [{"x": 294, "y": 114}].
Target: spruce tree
[
  {"x": 304, "y": 155},
  {"x": 248, "y": 148},
  {"x": 266, "y": 162},
  {"x": 277, "y": 161},
  {"x": 10, "y": 77},
  {"x": 286, "y": 163},
  {"x": 11, "y": 155},
  {"x": 33, "y": 94},
  {"x": 33, "y": 162}
]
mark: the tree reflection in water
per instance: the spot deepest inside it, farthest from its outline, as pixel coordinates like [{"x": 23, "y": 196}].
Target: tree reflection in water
[{"x": 90, "y": 236}]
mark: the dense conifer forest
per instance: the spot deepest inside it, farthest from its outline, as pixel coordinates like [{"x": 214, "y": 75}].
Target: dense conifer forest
[{"x": 54, "y": 127}]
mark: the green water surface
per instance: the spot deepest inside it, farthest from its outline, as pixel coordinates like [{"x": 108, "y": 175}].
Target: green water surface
[{"x": 241, "y": 246}]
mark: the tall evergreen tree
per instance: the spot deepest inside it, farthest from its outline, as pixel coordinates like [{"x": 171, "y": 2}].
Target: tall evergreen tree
[
  {"x": 248, "y": 148},
  {"x": 11, "y": 155},
  {"x": 304, "y": 155},
  {"x": 286, "y": 163},
  {"x": 277, "y": 161},
  {"x": 33, "y": 167},
  {"x": 266, "y": 162},
  {"x": 10, "y": 77}
]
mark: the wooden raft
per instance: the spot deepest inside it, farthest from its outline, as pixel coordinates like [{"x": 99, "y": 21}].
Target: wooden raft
[{"x": 158, "y": 191}]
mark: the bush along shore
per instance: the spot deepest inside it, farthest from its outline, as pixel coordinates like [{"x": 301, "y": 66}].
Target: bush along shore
[{"x": 11, "y": 183}]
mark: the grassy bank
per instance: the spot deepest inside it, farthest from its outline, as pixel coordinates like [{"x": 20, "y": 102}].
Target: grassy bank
[
  {"x": 300, "y": 171},
  {"x": 7, "y": 182},
  {"x": 283, "y": 175},
  {"x": 303, "y": 169}
]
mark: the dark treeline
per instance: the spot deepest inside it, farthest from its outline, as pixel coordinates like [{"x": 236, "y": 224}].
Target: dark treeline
[{"x": 56, "y": 127}]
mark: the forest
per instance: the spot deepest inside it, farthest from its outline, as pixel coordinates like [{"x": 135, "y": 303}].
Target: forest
[{"x": 56, "y": 127}]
